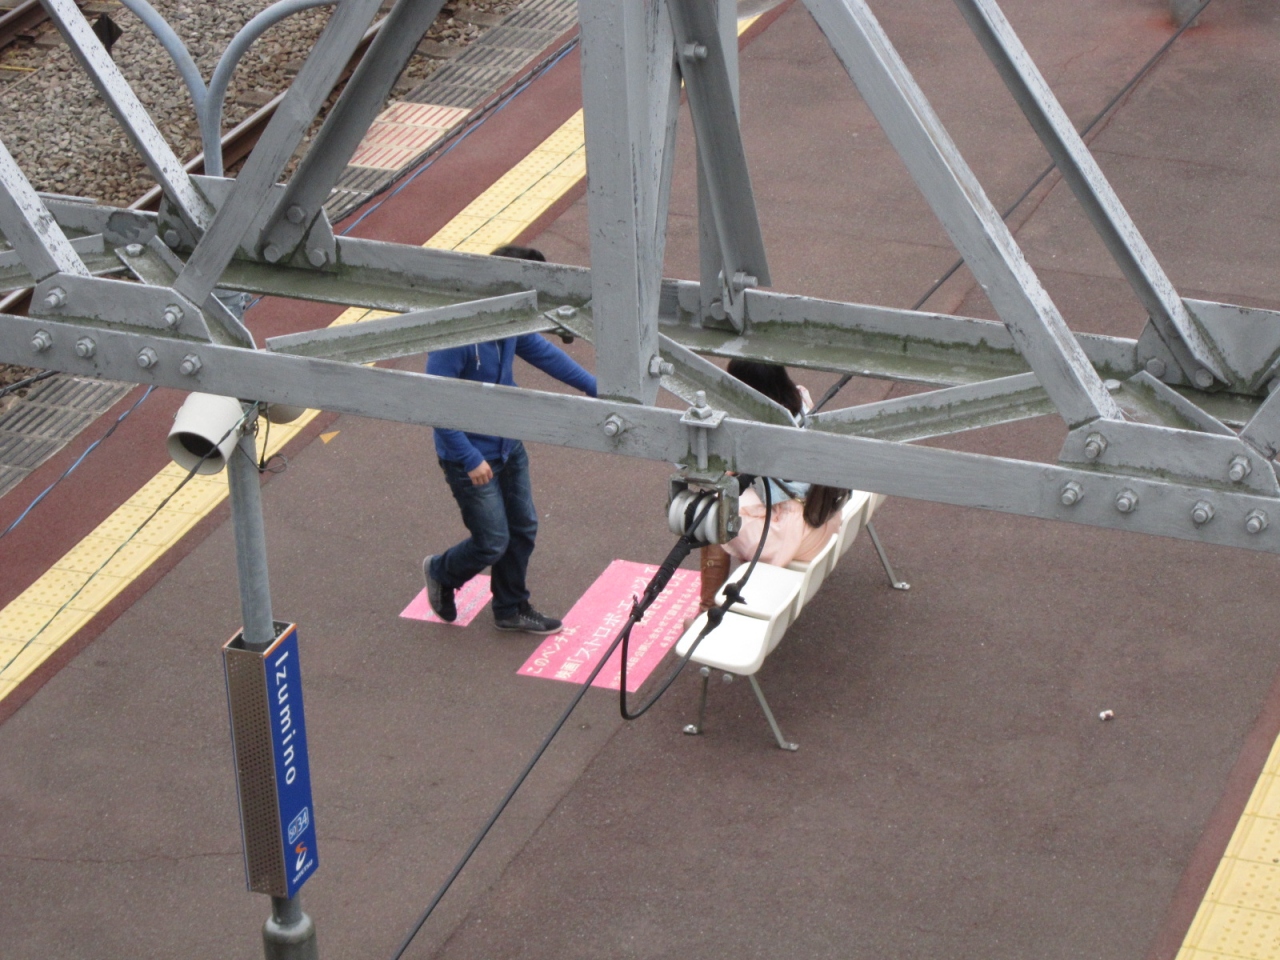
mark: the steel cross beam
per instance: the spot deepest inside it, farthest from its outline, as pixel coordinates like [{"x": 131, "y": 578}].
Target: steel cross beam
[{"x": 1142, "y": 452}]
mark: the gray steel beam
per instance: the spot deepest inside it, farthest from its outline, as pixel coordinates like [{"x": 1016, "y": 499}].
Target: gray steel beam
[
  {"x": 323, "y": 67},
  {"x": 690, "y": 374},
  {"x": 1263, "y": 431},
  {"x": 30, "y": 228},
  {"x": 348, "y": 121},
  {"x": 942, "y": 412},
  {"x": 1078, "y": 167},
  {"x": 630, "y": 98},
  {"x": 476, "y": 321},
  {"x": 964, "y": 209},
  {"x": 130, "y": 113},
  {"x": 1159, "y": 506},
  {"x": 722, "y": 159},
  {"x": 710, "y": 264}
]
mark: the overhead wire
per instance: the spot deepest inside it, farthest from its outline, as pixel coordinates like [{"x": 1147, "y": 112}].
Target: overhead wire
[
  {"x": 715, "y": 616},
  {"x": 1044, "y": 174},
  {"x": 652, "y": 591},
  {"x": 195, "y": 468}
]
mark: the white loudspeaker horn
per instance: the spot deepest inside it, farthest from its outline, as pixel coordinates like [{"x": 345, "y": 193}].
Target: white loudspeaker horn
[{"x": 204, "y": 432}]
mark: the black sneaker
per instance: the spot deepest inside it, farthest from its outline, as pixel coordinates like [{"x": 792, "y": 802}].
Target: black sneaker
[
  {"x": 528, "y": 620},
  {"x": 438, "y": 595}
]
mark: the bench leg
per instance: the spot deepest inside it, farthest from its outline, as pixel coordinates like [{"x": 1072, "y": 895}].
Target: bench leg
[
  {"x": 884, "y": 560},
  {"x": 693, "y": 729},
  {"x": 784, "y": 743}
]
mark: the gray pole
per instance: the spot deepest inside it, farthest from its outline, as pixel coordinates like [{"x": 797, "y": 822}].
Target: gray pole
[{"x": 288, "y": 934}]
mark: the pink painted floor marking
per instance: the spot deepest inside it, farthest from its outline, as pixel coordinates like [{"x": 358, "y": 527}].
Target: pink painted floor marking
[
  {"x": 470, "y": 600},
  {"x": 597, "y": 617}
]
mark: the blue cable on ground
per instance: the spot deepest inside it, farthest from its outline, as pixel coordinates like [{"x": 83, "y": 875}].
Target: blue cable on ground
[{"x": 79, "y": 460}]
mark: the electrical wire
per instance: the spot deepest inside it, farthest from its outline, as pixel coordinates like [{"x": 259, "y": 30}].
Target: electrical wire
[
  {"x": 651, "y": 593},
  {"x": 79, "y": 460},
  {"x": 732, "y": 595},
  {"x": 1084, "y": 132},
  {"x": 252, "y": 411},
  {"x": 5, "y": 391}
]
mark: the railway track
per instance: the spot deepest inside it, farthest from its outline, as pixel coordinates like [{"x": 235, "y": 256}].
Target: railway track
[
  {"x": 23, "y": 21},
  {"x": 237, "y": 144}
]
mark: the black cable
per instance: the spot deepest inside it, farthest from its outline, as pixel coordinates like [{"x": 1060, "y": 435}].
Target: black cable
[
  {"x": 732, "y": 595},
  {"x": 1088, "y": 128},
  {"x": 5, "y": 391},
  {"x": 252, "y": 411},
  {"x": 685, "y": 544}
]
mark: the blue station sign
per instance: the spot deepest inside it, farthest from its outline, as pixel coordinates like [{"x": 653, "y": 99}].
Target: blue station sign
[
  {"x": 289, "y": 748},
  {"x": 273, "y": 777}
]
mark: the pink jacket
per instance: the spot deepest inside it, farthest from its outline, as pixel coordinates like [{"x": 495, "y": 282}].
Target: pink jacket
[{"x": 790, "y": 540}]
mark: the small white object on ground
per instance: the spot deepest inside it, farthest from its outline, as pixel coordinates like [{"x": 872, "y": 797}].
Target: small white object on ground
[{"x": 1107, "y": 715}]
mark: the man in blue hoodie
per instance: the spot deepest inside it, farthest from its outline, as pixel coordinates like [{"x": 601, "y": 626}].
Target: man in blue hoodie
[{"x": 489, "y": 477}]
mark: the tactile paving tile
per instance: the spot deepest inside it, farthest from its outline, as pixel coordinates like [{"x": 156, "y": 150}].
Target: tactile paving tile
[
  {"x": 1239, "y": 917},
  {"x": 459, "y": 86},
  {"x": 40, "y": 424}
]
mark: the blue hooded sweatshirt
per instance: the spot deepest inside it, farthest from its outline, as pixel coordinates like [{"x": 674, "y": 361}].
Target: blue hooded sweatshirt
[{"x": 492, "y": 363}]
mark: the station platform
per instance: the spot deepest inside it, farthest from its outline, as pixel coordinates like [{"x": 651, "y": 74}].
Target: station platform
[{"x": 954, "y": 794}]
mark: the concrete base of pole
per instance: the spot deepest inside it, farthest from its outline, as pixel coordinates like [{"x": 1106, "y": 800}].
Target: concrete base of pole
[
  {"x": 289, "y": 934},
  {"x": 1181, "y": 10}
]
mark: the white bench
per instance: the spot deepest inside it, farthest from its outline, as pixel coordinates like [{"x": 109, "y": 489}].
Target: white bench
[{"x": 771, "y": 601}]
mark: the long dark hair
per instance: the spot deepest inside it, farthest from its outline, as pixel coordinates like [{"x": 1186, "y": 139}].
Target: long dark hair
[
  {"x": 771, "y": 379},
  {"x": 774, "y": 382}
]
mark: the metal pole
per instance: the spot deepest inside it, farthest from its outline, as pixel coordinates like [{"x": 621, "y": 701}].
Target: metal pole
[{"x": 288, "y": 934}]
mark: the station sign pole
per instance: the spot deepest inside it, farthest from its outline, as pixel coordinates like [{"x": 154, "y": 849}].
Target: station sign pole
[{"x": 268, "y": 728}]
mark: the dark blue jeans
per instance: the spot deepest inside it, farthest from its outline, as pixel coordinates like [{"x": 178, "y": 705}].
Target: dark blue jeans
[{"x": 503, "y": 524}]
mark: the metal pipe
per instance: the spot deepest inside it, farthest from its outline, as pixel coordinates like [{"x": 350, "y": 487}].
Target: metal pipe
[
  {"x": 251, "y": 545},
  {"x": 173, "y": 45},
  {"x": 289, "y": 934},
  {"x": 211, "y": 116}
]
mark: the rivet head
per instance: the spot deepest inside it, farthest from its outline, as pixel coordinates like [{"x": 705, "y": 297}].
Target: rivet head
[
  {"x": 1239, "y": 468},
  {"x": 1072, "y": 493},
  {"x": 272, "y": 253},
  {"x": 1127, "y": 501},
  {"x": 1095, "y": 445},
  {"x": 147, "y": 358},
  {"x": 171, "y": 238},
  {"x": 294, "y": 213},
  {"x": 1255, "y": 522},
  {"x": 172, "y": 315},
  {"x": 1202, "y": 513},
  {"x": 86, "y": 348},
  {"x": 55, "y": 298},
  {"x": 190, "y": 365},
  {"x": 1156, "y": 367},
  {"x": 317, "y": 257},
  {"x": 41, "y": 341},
  {"x": 133, "y": 249},
  {"x": 1203, "y": 379}
]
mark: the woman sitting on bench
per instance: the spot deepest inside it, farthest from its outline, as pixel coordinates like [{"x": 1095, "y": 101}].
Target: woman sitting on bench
[{"x": 804, "y": 517}]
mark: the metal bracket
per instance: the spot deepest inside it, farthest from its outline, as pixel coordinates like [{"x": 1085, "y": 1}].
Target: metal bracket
[
  {"x": 700, "y": 418},
  {"x": 119, "y": 303},
  {"x": 1165, "y": 453}
]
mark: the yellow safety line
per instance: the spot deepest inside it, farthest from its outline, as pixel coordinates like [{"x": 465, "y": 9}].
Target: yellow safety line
[
  {"x": 31, "y": 626},
  {"x": 1240, "y": 913}
]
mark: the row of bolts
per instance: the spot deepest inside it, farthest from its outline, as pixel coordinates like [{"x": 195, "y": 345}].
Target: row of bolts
[{"x": 1072, "y": 492}]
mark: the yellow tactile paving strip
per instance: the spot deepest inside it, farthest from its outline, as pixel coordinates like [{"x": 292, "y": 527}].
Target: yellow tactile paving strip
[{"x": 1240, "y": 914}]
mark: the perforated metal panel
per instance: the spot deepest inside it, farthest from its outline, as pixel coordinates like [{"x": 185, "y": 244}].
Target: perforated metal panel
[{"x": 255, "y": 769}]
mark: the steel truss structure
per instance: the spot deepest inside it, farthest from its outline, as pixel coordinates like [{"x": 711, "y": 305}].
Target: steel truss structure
[{"x": 1173, "y": 433}]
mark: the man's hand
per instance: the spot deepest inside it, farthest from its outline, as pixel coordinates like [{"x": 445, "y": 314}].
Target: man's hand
[{"x": 481, "y": 474}]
